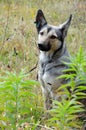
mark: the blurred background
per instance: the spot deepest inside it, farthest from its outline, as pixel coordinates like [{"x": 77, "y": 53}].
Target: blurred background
[{"x": 18, "y": 34}]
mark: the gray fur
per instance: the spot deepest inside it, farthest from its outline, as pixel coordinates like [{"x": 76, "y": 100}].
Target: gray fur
[{"x": 53, "y": 51}]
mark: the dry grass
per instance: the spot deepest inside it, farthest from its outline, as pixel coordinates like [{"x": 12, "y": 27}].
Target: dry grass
[{"x": 18, "y": 34}]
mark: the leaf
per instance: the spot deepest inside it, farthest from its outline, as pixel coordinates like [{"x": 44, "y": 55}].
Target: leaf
[{"x": 29, "y": 83}]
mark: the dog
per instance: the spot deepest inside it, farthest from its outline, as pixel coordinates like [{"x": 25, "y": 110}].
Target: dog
[{"x": 53, "y": 52}]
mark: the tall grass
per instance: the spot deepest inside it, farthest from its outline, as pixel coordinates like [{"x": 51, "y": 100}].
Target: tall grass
[{"x": 18, "y": 32}]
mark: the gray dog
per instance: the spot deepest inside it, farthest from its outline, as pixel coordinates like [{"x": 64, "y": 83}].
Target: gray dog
[{"x": 53, "y": 51}]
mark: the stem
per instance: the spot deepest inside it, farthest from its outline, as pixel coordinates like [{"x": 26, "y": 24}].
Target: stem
[{"x": 16, "y": 116}]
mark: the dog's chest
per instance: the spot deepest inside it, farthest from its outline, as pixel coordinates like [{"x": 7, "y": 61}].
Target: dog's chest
[{"x": 49, "y": 70}]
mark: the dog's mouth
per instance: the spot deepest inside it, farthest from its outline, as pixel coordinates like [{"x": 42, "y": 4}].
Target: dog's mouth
[{"x": 43, "y": 47}]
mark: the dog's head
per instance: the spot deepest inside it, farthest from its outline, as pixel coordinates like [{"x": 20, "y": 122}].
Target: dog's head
[{"x": 50, "y": 37}]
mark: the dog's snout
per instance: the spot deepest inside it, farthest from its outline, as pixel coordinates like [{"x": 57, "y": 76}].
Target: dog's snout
[{"x": 44, "y": 47}]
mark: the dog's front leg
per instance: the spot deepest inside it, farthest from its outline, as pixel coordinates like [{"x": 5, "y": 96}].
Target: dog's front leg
[{"x": 47, "y": 98}]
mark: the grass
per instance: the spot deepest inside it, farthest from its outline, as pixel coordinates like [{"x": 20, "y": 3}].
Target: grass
[
  {"x": 18, "y": 37},
  {"x": 17, "y": 29}
]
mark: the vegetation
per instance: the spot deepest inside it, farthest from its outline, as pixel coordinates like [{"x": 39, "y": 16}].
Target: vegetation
[
  {"x": 67, "y": 112},
  {"x": 16, "y": 100},
  {"x": 21, "y": 101}
]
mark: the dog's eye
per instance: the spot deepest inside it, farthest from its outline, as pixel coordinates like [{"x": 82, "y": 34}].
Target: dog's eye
[
  {"x": 41, "y": 33},
  {"x": 53, "y": 37}
]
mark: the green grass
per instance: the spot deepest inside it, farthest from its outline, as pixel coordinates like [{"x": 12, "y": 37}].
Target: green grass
[{"x": 18, "y": 48}]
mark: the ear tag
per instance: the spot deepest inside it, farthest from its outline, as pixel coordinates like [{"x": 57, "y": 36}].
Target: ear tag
[{"x": 37, "y": 24}]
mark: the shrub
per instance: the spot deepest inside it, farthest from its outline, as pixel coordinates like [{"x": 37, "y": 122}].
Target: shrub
[{"x": 65, "y": 113}]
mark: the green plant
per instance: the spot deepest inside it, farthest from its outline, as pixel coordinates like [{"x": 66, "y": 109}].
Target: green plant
[
  {"x": 66, "y": 112},
  {"x": 76, "y": 75},
  {"x": 16, "y": 96}
]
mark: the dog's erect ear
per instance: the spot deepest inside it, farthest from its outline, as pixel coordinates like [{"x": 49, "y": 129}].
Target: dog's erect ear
[
  {"x": 40, "y": 20},
  {"x": 64, "y": 27}
]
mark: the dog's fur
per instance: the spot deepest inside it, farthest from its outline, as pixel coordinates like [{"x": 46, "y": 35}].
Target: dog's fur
[{"x": 53, "y": 51}]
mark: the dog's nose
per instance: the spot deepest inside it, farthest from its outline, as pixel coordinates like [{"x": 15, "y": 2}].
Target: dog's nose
[
  {"x": 40, "y": 46},
  {"x": 43, "y": 47}
]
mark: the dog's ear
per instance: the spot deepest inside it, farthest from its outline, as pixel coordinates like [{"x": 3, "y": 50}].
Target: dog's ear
[
  {"x": 64, "y": 27},
  {"x": 40, "y": 20}
]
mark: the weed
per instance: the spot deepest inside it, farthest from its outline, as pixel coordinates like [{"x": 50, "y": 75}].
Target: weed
[
  {"x": 16, "y": 94},
  {"x": 66, "y": 112}
]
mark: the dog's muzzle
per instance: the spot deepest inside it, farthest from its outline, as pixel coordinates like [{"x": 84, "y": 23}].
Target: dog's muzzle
[{"x": 43, "y": 47}]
